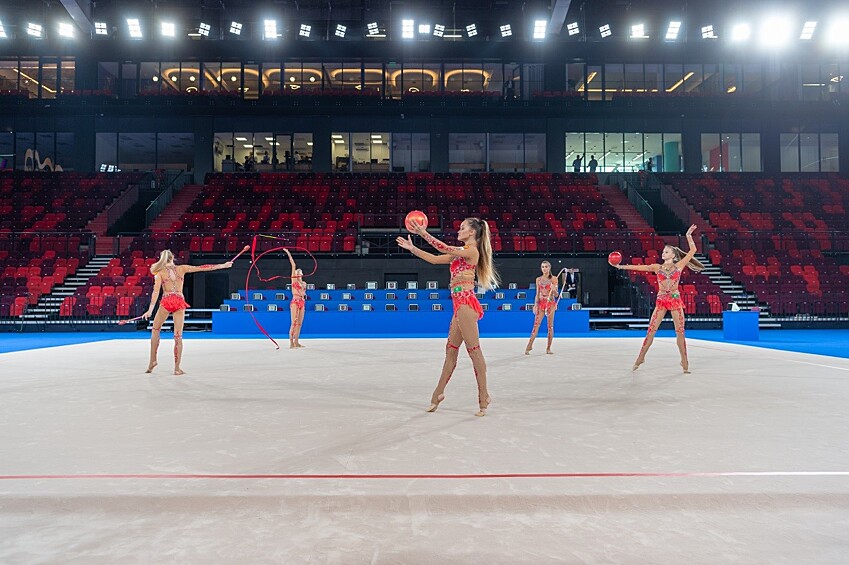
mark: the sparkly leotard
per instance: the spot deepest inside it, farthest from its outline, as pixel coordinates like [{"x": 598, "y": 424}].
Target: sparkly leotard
[
  {"x": 545, "y": 294},
  {"x": 667, "y": 295},
  {"x": 464, "y": 296},
  {"x": 173, "y": 299},
  {"x": 299, "y": 292}
]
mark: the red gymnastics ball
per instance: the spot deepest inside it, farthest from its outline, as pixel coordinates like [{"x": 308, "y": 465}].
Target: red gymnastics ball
[
  {"x": 614, "y": 258},
  {"x": 415, "y": 216}
]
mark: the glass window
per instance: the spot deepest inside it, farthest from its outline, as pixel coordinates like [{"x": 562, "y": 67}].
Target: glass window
[
  {"x": 136, "y": 151},
  {"x": 752, "y": 79},
  {"x": 593, "y": 84},
  {"x": 69, "y": 76},
  {"x": 731, "y": 78},
  {"x": 24, "y": 141},
  {"x": 107, "y": 77},
  {"x": 149, "y": 79},
  {"x": 128, "y": 80},
  {"x": 231, "y": 77},
  {"x": 45, "y": 147},
  {"x": 574, "y": 147},
  {"x": 416, "y": 78},
  {"x": 614, "y": 154},
  {"x": 634, "y": 80},
  {"x": 243, "y": 149},
  {"x": 270, "y": 78},
  {"x": 713, "y": 159},
  {"x": 170, "y": 78},
  {"x": 65, "y": 150},
  {"x": 466, "y": 152},
  {"x": 829, "y": 158},
  {"x": 614, "y": 80},
  {"x": 534, "y": 79},
  {"x": 175, "y": 151},
  {"x": 7, "y": 151},
  {"x": 340, "y": 152},
  {"x": 534, "y": 152},
  {"x": 373, "y": 78},
  {"x": 493, "y": 79},
  {"x": 189, "y": 75},
  {"x": 29, "y": 77},
  {"x": 789, "y": 152},
  {"x": 453, "y": 78},
  {"x": 712, "y": 83},
  {"x": 635, "y": 155},
  {"x": 211, "y": 77},
  {"x": 311, "y": 78},
  {"x": 730, "y": 149},
  {"x": 513, "y": 75},
  {"x": 813, "y": 87},
  {"x": 302, "y": 145},
  {"x": 334, "y": 74},
  {"x": 653, "y": 78},
  {"x": 105, "y": 149},
  {"x": 421, "y": 151},
  {"x": 809, "y": 152},
  {"x": 831, "y": 75},
  {"x": 8, "y": 75},
  {"x": 574, "y": 76},
  {"x": 49, "y": 79},
  {"x": 653, "y": 147},
  {"x": 673, "y": 78},
  {"x": 222, "y": 153},
  {"x": 506, "y": 152},
  {"x": 750, "y": 144},
  {"x": 693, "y": 78},
  {"x": 672, "y": 161},
  {"x": 250, "y": 89},
  {"x": 402, "y": 152}
]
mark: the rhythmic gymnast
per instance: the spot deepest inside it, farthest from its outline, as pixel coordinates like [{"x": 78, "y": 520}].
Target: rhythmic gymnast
[
  {"x": 297, "y": 307},
  {"x": 474, "y": 256},
  {"x": 545, "y": 304}
]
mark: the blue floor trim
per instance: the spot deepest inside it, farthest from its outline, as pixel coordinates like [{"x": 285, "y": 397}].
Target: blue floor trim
[{"x": 832, "y": 343}]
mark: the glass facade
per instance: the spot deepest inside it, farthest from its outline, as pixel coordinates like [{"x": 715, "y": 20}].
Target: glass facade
[
  {"x": 731, "y": 152},
  {"x": 809, "y": 152},
  {"x": 624, "y": 152}
]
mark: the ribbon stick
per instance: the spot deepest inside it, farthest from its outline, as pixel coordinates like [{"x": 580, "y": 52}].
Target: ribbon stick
[
  {"x": 136, "y": 319},
  {"x": 245, "y": 248}
]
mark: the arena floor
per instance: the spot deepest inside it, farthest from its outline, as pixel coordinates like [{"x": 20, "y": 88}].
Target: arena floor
[{"x": 326, "y": 455}]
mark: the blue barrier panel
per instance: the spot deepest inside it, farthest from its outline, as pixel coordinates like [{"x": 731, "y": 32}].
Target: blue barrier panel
[
  {"x": 401, "y": 323},
  {"x": 741, "y": 326}
]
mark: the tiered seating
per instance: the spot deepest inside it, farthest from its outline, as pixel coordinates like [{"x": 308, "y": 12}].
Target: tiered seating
[
  {"x": 122, "y": 288},
  {"x": 533, "y": 212},
  {"x": 42, "y": 216},
  {"x": 775, "y": 235}
]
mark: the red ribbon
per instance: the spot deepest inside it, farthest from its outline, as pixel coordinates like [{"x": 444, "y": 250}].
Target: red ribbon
[{"x": 254, "y": 265}]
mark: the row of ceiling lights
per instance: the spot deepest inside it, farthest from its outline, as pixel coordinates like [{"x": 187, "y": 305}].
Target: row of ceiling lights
[{"x": 774, "y": 30}]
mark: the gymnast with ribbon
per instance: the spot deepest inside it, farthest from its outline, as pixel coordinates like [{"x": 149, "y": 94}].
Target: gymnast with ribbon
[
  {"x": 472, "y": 259},
  {"x": 168, "y": 276},
  {"x": 298, "y": 304},
  {"x": 545, "y": 304}
]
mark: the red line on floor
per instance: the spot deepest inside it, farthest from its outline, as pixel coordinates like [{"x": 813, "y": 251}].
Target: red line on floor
[{"x": 182, "y": 476}]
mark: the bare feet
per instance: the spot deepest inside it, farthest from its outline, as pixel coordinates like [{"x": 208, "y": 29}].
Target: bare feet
[
  {"x": 291, "y": 346},
  {"x": 151, "y": 366},
  {"x": 528, "y": 350},
  {"x": 549, "y": 352},
  {"x": 434, "y": 402},
  {"x": 483, "y": 404},
  {"x": 299, "y": 346},
  {"x": 686, "y": 366},
  {"x": 637, "y": 364},
  {"x": 178, "y": 371}
]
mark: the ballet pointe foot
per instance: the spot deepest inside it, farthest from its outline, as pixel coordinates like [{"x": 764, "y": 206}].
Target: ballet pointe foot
[
  {"x": 483, "y": 405},
  {"x": 435, "y": 405},
  {"x": 151, "y": 367},
  {"x": 686, "y": 367},
  {"x": 549, "y": 352},
  {"x": 637, "y": 364},
  {"x": 178, "y": 371},
  {"x": 299, "y": 346},
  {"x": 528, "y": 349}
]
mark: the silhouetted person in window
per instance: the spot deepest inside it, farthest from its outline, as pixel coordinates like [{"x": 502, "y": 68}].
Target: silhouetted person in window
[
  {"x": 649, "y": 165},
  {"x": 593, "y": 163},
  {"x": 576, "y": 164}
]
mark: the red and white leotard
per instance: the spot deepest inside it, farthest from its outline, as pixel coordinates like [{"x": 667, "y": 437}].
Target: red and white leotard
[
  {"x": 172, "y": 283},
  {"x": 299, "y": 293},
  {"x": 667, "y": 294},
  {"x": 461, "y": 295},
  {"x": 545, "y": 292}
]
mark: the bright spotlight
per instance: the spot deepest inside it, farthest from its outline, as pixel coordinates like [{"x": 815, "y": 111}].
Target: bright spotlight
[
  {"x": 100, "y": 28},
  {"x": 438, "y": 30},
  {"x": 407, "y": 29},
  {"x": 605, "y": 30},
  {"x": 305, "y": 30},
  {"x": 424, "y": 29},
  {"x": 204, "y": 29},
  {"x": 741, "y": 32},
  {"x": 168, "y": 29},
  {"x": 35, "y": 30},
  {"x": 540, "y": 27},
  {"x": 708, "y": 33},
  {"x": 808, "y": 31},
  {"x": 340, "y": 30},
  {"x": 235, "y": 28},
  {"x": 573, "y": 28},
  {"x": 66, "y": 30},
  {"x": 776, "y": 31},
  {"x": 638, "y": 31},
  {"x": 270, "y": 29},
  {"x": 838, "y": 31},
  {"x": 506, "y": 30},
  {"x": 471, "y": 30},
  {"x": 2, "y": 31},
  {"x": 373, "y": 29},
  {"x": 673, "y": 30},
  {"x": 134, "y": 28}
]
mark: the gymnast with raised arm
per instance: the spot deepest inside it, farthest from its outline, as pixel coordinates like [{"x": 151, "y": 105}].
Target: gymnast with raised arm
[
  {"x": 297, "y": 307},
  {"x": 668, "y": 297},
  {"x": 169, "y": 276}
]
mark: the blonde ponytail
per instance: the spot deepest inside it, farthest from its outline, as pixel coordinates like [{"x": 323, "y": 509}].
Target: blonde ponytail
[
  {"x": 165, "y": 258},
  {"x": 487, "y": 274}
]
